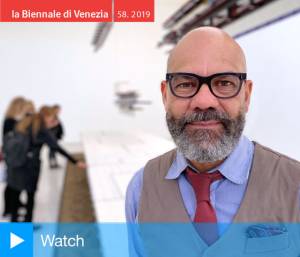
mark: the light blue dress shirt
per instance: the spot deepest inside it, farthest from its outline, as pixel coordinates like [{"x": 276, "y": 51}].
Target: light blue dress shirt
[{"x": 226, "y": 194}]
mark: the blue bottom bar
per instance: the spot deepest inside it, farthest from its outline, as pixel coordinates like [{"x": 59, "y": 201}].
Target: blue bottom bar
[{"x": 148, "y": 239}]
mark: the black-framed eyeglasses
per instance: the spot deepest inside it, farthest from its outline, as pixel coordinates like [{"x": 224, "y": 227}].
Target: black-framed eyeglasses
[{"x": 222, "y": 85}]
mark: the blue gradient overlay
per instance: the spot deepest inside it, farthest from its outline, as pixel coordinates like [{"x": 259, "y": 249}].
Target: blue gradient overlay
[{"x": 149, "y": 240}]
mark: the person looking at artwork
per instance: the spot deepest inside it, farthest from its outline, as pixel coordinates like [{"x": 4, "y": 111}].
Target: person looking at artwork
[{"x": 36, "y": 129}]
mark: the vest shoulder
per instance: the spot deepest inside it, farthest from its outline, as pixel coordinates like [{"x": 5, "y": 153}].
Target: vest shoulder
[
  {"x": 161, "y": 162},
  {"x": 277, "y": 155}
]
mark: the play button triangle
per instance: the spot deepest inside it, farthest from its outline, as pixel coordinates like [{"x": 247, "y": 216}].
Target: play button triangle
[{"x": 15, "y": 240}]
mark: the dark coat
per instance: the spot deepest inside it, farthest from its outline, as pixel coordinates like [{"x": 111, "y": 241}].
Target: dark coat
[
  {"x": 58, "y": 131},
  {"x": 26, "y": 178},
  {"x": 8, "y": 125}
]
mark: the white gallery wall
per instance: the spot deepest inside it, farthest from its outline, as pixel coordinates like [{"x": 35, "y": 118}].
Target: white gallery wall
[
  {"x": 273, "y": 56},
  {"x": 55, "y": 63}
]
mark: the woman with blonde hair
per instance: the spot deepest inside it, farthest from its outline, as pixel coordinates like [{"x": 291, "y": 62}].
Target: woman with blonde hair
[
  {"x": 14, "y": 113},
  {"x": 37, "y": 127}
]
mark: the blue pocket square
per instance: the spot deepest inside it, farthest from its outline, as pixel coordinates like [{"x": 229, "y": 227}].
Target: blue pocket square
[{"x": 263, "y": 230}]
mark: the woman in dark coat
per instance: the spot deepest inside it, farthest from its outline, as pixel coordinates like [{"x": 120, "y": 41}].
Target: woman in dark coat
[
  {"x": 37, "y": 127},
  {"x": 15, "y": 112}
]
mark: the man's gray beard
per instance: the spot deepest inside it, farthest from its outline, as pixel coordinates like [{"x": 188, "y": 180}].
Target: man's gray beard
[{"x": 206, "y": 145}]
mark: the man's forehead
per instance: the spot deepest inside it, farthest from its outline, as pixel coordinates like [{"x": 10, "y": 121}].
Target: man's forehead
[
  {"x": 205, "y": 64},
  {"x": 208, "y": 47}
]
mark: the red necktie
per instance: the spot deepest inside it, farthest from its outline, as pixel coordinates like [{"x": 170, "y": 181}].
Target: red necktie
[{"x": 205, "y": 212}]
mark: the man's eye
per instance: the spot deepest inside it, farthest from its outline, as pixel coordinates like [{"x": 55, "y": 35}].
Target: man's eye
[
  {"x": 185, "y": 85},
  {"x": 225, "y": 83}
]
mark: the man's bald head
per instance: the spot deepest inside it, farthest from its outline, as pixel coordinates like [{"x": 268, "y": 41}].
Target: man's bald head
[
  {"x": 206, "y": 126},
  {"x": 208, "y": 48}
]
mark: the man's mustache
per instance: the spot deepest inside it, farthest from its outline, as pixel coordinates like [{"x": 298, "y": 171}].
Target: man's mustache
[{"x": 206, "y": 115}]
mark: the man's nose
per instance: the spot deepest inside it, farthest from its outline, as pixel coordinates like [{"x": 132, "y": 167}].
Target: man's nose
[{"x": 204, "y": 99}]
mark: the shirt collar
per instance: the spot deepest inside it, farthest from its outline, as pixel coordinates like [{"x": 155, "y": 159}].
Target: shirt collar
[{"x": 235, "y": 168}]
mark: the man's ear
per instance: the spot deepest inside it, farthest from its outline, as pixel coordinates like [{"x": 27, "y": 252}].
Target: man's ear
[
  {"x": 248, "y": 91},
  {"x": 163, "y": 89}
]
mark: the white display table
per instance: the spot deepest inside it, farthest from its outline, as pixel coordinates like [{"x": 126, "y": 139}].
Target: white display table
[{"x": 113, "y": 158}]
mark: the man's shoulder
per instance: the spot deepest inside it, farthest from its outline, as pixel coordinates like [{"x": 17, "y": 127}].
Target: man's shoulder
[
  {"x": 166, "y": 158},
  {"x": 280, "y": 157},
  {"x": 160, "y": 164},
  {"x": 137, "y": 179}
]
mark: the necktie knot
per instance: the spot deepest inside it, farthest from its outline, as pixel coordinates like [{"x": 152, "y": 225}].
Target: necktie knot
[{"x": 201, "y": 183}]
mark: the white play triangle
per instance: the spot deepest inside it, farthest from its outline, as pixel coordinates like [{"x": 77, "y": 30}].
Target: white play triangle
[{"x": 15, "y": 240}]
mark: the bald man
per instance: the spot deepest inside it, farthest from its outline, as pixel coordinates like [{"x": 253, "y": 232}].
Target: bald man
[{"x": 216, "y": 176}]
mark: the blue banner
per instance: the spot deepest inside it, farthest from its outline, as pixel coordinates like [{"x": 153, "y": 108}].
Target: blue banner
[{"x": 148, "y": 240}]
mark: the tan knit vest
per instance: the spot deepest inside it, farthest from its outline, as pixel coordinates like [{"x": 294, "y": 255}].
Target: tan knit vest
[{"x": 272, "y": 196}]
